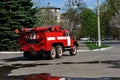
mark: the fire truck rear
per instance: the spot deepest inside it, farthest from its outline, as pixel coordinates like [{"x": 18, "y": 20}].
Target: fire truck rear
[{"x": 47, "y": 41}]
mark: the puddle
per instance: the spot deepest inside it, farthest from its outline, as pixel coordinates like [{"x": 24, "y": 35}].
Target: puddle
[
  {"x": 12, "y": 78},
  {"x": 14, "y": 59},
  {"x": 47, "y": 76},
  {"x": 115, "y": 63},
  {"x": 30, "y": 65},
  {"x": 23, "y": 65},
  {"x": 104, "y": 78},
  {"x": 5, "y": 70}
]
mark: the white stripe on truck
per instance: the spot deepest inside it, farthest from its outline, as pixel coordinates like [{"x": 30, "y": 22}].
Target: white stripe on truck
[
  {"x": 61, "y": 38},
  {"x": 50, "y": 38}
]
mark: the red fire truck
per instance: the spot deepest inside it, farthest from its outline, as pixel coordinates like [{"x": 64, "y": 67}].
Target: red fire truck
[{"x": 46, "y": 41}]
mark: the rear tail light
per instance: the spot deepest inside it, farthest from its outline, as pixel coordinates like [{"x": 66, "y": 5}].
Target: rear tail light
[{"x": 31, "y": 48}]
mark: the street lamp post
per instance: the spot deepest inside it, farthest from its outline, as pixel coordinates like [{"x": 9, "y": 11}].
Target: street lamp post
[{"x": 98, "y": 17}]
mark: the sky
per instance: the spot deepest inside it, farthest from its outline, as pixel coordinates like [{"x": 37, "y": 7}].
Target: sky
[{"x": 61, "y": 3}]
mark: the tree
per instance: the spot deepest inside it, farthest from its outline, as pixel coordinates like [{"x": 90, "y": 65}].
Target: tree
[
  {"x": 71, "y": 16},
  {"x": 108, "y": 9},
  {"x": 89, "y": 23},
  {"x": 14, "y": 14},
  {"x": 73, "y": 9}
]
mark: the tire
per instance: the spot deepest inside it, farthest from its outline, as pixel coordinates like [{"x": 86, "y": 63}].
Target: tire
[
  {"x": 25, "y": 54},
  {"x": 59, "y": 51},
  {"x": 52, "y": 53},
  {"x": 28, "y": 55},
  {"x": 73, "y": 51}
]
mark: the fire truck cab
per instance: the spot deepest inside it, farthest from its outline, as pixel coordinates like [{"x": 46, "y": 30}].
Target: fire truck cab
[{"x": 46, "y": 41}]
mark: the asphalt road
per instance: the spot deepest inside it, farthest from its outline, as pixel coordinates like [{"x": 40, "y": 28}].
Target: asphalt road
[{"x": 91, "y": 64}]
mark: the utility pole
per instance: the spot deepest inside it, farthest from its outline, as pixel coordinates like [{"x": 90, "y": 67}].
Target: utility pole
[{"x": 98, "y": 17}]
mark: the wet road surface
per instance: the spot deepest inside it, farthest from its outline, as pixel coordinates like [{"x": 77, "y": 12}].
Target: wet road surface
[
  {"x": 101, "y": 65},
  {"x": 5, "y": 70}
]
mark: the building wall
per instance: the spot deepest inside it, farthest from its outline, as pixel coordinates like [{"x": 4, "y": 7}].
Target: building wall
[{"x": 55, "y": 13}]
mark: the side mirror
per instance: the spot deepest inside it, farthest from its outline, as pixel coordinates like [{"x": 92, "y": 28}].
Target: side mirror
[{"x": 66, "y": 33}]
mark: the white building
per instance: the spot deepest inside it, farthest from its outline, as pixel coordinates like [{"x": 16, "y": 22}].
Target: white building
[{"x": 54, "y": 11}]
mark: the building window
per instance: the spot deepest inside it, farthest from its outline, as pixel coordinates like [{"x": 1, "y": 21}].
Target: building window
[{"x": 56, "y": 17}]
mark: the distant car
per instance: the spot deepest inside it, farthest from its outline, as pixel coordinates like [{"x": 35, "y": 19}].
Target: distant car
[
  {"x": 85, "y": 39},
  {"x": 108, "y": 38}
]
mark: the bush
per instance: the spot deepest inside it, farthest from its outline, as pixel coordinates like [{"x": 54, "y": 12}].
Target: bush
[{"x": 93, "y": 45}]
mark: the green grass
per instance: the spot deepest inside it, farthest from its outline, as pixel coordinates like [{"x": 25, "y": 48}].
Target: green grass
[{"x": 92, "y": 45}]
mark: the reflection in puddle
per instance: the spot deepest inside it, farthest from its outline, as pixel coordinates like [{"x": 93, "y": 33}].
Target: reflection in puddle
[{"x": 47, "y": 76}]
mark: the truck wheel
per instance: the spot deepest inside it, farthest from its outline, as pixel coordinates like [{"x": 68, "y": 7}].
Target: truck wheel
[
  {"x": 59, "y": 51},
  {"x": 52, "y": 53},
  {"x": 73, "y": 51},
  {"x": 27, "y": 55}
]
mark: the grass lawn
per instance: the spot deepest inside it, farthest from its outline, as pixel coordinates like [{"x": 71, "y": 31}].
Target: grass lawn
[{"x": 92, "y": 45}]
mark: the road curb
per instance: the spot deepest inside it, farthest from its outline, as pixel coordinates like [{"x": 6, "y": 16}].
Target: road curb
[
  {"x": 11, "y": 52},
  {"x": 102, "y": 49}
]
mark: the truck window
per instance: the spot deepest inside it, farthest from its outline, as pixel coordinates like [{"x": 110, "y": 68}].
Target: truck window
[{"x": 66, "y": 34}]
